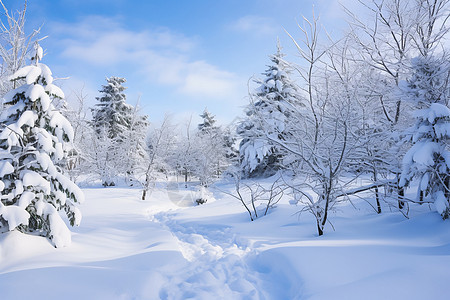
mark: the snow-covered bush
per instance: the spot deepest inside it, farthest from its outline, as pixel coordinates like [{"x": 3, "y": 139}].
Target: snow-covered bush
[
  {"x": 203, "y": 195},
  {"x": 428, "y": 160},
  {"x": 34, "y": 137},
  {"x": 257, "y": 198}
]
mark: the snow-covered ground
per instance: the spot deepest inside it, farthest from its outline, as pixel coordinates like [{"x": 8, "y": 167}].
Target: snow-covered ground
[{"x": 165, "y": 248}]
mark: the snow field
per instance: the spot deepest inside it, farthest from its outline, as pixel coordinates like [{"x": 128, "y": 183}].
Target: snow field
[{"x": 127, "y": 248}]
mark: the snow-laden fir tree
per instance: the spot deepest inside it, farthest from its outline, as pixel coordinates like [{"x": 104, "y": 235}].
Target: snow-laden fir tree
[
  {"x": 229, "y": 143},
  {"x": 428, "y": 160},
  {"x": 112, "y": 113},
  {"x": 266, "y": 115},
  {"x": 120, "y": 132},
  {"x": 208, "y": 122},
  {"x": 34, "y": 137}
]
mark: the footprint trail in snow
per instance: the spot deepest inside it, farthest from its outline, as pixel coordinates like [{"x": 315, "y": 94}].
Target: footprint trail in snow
[{"x": 217, "y": 264}]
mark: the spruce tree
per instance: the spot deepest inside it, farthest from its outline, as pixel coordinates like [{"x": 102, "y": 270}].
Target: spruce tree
[
  {"x": 229, "y": 141},
  {"x": 208, "y": 122},
  {"x": 112, "y": 113},
  {"x": 34, "y": 138},
  {"x": 266, "y": 116}
]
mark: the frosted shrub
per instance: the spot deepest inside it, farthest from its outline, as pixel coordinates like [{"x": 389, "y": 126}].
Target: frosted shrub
[{"x": 428, "y": 159}]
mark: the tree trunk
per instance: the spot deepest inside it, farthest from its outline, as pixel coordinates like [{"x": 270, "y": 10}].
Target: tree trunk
[
  {"x": 327, "y": 203},
  {"x": 447, "y": 185},
  {"x": 144, "y": 193},
  {"x": 401, "y": 195},
  {"x": 319, "y": 228},
  {"x": 377, "y": 194},
  {"x": 377, "y": 197}
]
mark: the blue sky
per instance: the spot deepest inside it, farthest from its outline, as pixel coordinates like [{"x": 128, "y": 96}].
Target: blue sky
[{"x": 178, "y": 56}]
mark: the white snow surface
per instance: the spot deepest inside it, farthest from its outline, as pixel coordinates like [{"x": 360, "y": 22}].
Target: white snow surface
[
  {"x": 162, "y": 248},
  {"x": 39, "y": 52},
  {"x": 14, "y": 215},
  {"x": 30, "y": 73},
  {"x": 31, "y": 178},
  {"x": 54, "y": 90},
  {"x": 5, "y": 168}
]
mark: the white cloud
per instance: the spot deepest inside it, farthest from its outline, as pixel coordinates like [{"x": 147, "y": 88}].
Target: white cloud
[
  {"x": 204, "y": 79},
  {"x": 256, "y": 25},
  {"x": 158, "y": 55}
]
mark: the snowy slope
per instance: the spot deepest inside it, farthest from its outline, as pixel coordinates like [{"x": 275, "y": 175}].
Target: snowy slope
[{"x": 162, "y": 248}]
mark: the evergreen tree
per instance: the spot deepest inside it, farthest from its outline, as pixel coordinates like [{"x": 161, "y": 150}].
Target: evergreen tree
[
  {"x": 267, "y": 115},
  {"x": 208, "y": 122},
  {"x": 112, "y": 113},
  {"x": 428, "y": 160},
  {"x": 120, "y": 133},
  {"x": 34, "y": 138},
  {"x": 229, "y": 141}
]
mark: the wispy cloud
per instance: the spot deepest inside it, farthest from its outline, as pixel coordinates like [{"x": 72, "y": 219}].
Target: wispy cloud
[
  {"x": 256, "y": 25},
  {"x": 159, "y": 55},
  {"x": 204, "y": 79}
]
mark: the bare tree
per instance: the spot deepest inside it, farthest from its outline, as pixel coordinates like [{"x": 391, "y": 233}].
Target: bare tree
[
  {"x": 385, "y": 45},
  {"x": 431, "y": 26},
  {"x": 15, "y": 45},
  {"x": 77, "y": 116},
  {"x": 184, "y": 162},
  {"x": 135, "y": 154},
  {"x": 320, "y": 132},
  {"x": 160, "y": 147}
]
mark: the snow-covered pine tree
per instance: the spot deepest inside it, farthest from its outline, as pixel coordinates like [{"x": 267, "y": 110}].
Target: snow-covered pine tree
[
  {"x": 208, "y": 123},
  {"x": 116, "y": 119},
  {"x": 34, "y": 138},
  {"x": 266, "y": 115},
  {"x": 112, "y": 112},
  {"x": 428, "y": 160},
  {"x": 229, "y": 143}
]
